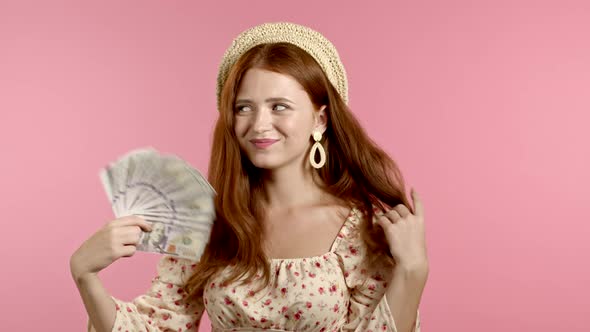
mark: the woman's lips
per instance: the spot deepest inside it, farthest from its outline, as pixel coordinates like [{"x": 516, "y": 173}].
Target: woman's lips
[{"x": 263, "y": 143}]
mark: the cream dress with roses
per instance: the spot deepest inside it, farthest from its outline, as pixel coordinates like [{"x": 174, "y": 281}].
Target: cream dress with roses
[{"x": 336, "y": 291}]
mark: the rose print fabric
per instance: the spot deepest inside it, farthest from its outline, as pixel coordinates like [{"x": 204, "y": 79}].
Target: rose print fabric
[
  {"x": 337, "y": 291},
  {"x": 163, "y": 306}
]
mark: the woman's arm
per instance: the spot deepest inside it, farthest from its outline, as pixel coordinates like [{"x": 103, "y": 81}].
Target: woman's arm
[
  {"x": 114, "y": 240},
  {"x": 404, "y": 293},
  {"x": 99, "y": 305},
  {"x": 165, "y": 306}
]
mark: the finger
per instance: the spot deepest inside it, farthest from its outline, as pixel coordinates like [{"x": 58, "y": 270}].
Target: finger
[
  {"x": 378, "y": 213},
  {"x": 383, "y": 222},
  {"x": 130, "y": 235},
  {"x": 376, "y": 216},
  {"x": 133, "y": 220},
  {"x": 402, "y": 210},
  {"x": 128, "y": 251},
  {"x": 146, "y": 226},
  {"x": 393, "y": 215},
  {"x": 418, "y": 207}
]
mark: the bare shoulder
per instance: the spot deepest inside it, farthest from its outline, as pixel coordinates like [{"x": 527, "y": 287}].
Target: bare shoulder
[{"x": 336, "y": 211}]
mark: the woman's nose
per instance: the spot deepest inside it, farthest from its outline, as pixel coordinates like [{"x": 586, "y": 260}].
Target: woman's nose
[{"x": 262, "y": 121}]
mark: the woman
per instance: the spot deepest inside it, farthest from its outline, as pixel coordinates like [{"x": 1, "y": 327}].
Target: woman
[{"x": 297, "y": 244}]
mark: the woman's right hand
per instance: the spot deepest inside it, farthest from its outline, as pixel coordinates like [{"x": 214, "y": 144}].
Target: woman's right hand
[{"x": 118, "y": 238}]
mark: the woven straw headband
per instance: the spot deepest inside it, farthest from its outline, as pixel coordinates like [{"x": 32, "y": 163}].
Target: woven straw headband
[{"x": 314, "y": 43}]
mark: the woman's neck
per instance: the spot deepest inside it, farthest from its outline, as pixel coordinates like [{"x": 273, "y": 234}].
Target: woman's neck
[{"x": 291, "y": 188}]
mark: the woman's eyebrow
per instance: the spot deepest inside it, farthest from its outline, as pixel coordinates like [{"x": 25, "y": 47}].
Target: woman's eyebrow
[{"x": 267, "y": 100}]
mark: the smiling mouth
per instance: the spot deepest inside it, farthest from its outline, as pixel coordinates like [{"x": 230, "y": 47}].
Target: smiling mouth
[{"x": 263, "y": 143}]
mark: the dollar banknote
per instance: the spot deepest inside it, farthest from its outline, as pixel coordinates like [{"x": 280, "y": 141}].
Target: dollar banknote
[{"x": 169, "y": 194}]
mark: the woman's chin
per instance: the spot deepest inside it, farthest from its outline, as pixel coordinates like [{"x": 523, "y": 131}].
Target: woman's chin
[
  {"x": 264, "y": 163},
  {"x": 266, "y": 166}
]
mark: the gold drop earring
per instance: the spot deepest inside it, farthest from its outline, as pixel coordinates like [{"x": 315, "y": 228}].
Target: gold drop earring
[{"x": 317, "y": 136}]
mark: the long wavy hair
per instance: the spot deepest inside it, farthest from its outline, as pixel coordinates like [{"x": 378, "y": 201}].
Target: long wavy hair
[{"x": 356, "y": 171}]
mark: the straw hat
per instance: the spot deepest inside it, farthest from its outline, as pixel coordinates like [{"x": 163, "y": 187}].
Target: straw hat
[{"x": 314, "y": 43}]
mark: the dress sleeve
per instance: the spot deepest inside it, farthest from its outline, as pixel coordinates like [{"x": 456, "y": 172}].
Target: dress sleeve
[
  {"x": 368, "y": 308},
  {"x": 163, "y": 307}
]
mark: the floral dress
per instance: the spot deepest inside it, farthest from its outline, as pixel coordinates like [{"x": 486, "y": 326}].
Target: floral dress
[{"x": 337, "y": 291}]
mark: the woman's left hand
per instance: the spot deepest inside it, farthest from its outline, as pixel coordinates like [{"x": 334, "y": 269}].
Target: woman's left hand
[{"x": 405, "y": 234}]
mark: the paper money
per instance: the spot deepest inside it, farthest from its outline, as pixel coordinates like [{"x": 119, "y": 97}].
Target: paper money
[{"x": 168, "y": 193}]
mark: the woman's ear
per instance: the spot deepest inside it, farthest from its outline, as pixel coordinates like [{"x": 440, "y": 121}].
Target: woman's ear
[{"x": 321, "y": 119}]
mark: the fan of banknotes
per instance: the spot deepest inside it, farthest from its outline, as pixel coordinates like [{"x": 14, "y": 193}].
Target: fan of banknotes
[{"x": 168, "y": 193}]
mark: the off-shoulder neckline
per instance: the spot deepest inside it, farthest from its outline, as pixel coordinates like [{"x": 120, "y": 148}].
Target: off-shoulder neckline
[{"x": 351, "y": 214}]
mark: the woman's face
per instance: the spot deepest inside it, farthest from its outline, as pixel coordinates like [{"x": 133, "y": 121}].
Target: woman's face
[{"x": 274, "y": 119}]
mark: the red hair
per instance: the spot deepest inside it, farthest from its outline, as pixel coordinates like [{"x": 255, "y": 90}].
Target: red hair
[{"x": 356, "y": 170}]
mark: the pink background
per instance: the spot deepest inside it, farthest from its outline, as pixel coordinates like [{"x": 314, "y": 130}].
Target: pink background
[{"x": 483, "y": 104}]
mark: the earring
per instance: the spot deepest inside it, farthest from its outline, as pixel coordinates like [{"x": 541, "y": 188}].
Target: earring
[{"x": 317, "y": 136}]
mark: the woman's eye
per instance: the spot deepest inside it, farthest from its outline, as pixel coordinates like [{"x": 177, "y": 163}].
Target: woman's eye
[
  {"x": 244, "y": 108},
  {"x": 241, "y": 108},
  {"x": 280, "y": 105}
]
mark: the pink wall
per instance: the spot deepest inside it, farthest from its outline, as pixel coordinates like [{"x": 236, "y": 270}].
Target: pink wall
[{"x": 484, "y": 106}]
